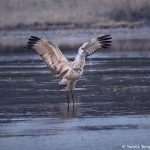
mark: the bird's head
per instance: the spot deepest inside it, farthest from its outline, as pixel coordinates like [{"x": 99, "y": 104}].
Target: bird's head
[
  {"x": 82, "y": 49},
  {"x": 82, "y": 53}
]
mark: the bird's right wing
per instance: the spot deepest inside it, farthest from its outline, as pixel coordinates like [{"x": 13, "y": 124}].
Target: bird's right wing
[
  {"x": 93, "y": 45},
  {"x": 51, "y": 55}
]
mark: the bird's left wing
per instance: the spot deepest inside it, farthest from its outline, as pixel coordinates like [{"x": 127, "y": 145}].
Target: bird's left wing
[
  {"x": 51, "y": 55},
  {"x": 93, "y": 45}
]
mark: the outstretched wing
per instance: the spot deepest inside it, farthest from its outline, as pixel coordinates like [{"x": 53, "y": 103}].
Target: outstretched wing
[
  {"x": 51, "y": 55},
  {"x": 93, "y": 45}
]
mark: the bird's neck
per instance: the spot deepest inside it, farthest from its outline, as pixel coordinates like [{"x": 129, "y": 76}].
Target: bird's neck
[{"x": 79, "y": 61}]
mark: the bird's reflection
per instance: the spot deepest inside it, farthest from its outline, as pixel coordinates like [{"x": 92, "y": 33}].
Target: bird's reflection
[
  {"x": 71, "y": 110},
  {"x": 64, "y": 110}
]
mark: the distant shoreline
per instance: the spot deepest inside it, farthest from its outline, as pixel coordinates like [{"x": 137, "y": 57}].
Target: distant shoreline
[{"x": 61, "y": 25}]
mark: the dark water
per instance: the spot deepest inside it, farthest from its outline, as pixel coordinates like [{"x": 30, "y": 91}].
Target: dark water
[{"x": 112, "y": 105}]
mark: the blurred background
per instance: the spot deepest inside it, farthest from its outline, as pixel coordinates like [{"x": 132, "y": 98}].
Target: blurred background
[
  {"x": 64, "y": 20},
  {"x": 96, "y": 13},
  {"x": 112, "y": 97}
]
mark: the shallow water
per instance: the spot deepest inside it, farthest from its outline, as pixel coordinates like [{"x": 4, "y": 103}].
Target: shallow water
[{"x": 112, "y": 104}]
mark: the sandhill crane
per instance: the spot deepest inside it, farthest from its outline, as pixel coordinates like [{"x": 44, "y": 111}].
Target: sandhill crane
[{"x": 60, "y": 66}]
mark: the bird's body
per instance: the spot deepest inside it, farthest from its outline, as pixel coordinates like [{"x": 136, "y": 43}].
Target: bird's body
[
  {"x": 73, "y": 74},
  {"x": 59, "y": 65}
]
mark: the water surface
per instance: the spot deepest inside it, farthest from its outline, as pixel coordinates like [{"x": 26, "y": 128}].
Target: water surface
[{"x": 112, "y": 104}]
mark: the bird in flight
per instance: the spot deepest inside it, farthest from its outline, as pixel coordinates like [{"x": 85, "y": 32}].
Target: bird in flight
[{"x": 60, "y": 66}]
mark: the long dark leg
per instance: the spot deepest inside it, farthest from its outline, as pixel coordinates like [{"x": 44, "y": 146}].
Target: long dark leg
[
  {"x": 72, "y": 96},
  {"x": 67, "y": 97}
]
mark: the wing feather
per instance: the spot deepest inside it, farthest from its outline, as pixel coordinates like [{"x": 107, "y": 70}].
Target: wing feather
[
  {"x": 51, "y": 55},
  {"x": 93, "y": 45}
]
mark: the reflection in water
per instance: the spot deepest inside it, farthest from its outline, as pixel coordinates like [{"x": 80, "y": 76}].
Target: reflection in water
[{"x": 112, "y": 95}]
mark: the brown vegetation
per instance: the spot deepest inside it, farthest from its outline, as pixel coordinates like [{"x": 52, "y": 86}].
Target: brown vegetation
[{"x": 73, "y": 12}]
